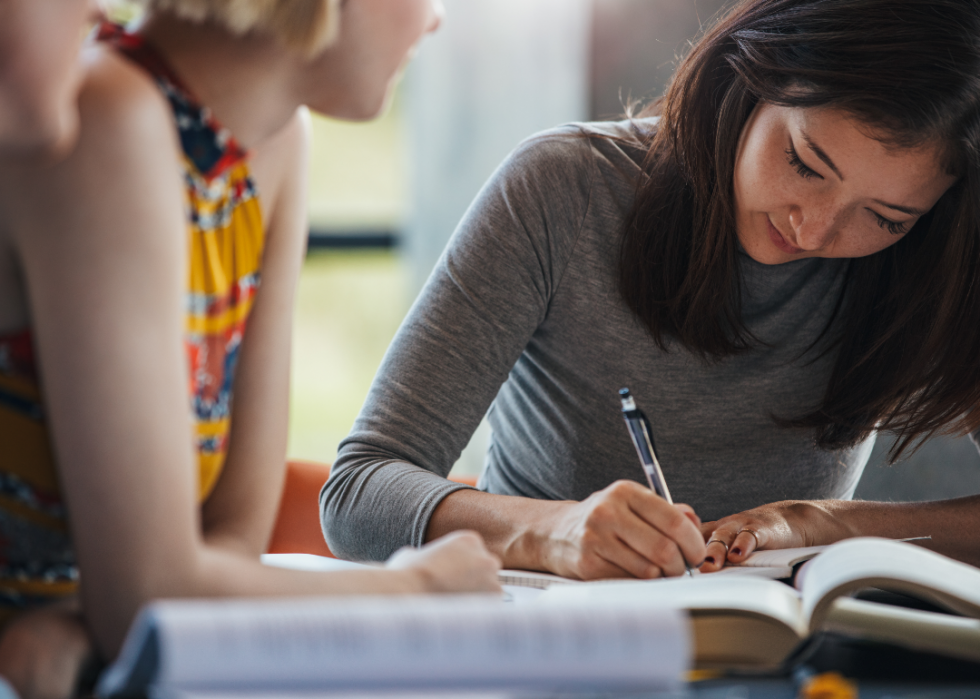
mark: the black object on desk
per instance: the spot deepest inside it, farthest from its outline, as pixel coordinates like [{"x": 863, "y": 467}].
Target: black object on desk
[{"x": 871, "y": 661}]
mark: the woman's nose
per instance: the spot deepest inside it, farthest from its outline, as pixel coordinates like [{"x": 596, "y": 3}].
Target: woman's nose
[{"x": 814, "y": 228}]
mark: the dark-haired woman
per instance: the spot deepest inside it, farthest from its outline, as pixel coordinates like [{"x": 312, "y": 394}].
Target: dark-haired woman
[{"x": 781, "y": 265}]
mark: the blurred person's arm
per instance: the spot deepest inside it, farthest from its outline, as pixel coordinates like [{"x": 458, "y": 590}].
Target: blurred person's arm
[
  {"x": 240, "y": 512},
  {"x": 102, "y": 241},
  {"x": 44, "y": 651}
]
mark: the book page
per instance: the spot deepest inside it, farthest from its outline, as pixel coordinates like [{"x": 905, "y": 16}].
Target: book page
[
  {"x": 405, "y": 642},
  {"x": 744, "y": 594},
  {"x": 860, "y": 563},
  {"x": 766, "y": 572},
  {"x": 781, "y": 558},
  {"x": 919, "y": 630},
  {"x": 780, "y": 562},
  {"x": 543, "y": 581},
  {"x": 772, "y": 564}
]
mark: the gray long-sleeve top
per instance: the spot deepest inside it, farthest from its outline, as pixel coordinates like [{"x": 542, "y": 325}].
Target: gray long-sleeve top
[{"x": 522, "y": 316}]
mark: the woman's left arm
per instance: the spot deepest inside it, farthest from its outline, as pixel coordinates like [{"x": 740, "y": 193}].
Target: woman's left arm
[
  {"x": 953, "y": 525},
  {"x": 241, "y": 511}
]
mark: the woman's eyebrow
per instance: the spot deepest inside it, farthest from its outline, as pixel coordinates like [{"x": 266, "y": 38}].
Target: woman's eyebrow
[
  {"x": 904, "y": 209},
  {"x": 819, "y": 152}
]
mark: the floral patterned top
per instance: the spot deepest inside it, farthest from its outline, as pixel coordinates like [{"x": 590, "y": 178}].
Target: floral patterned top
[{"x": 224, "y": 247}]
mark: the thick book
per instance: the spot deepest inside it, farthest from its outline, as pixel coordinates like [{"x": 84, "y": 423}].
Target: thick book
[
  {"x": 407, "y": 643},
  {"x": 744, "y": 622}
]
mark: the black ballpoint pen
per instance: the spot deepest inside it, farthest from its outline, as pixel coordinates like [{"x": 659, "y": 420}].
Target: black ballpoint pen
[{"x": 642, "y": 435}]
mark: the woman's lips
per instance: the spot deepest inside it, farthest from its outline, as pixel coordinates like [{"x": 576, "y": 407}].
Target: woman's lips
[{"x": 779, "y": 241}]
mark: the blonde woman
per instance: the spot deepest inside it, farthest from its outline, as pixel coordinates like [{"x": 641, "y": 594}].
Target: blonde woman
[{"x": 146, "y": 336}]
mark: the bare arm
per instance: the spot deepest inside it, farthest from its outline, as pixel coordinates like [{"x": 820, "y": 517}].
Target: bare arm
[
  {"x": 954, "y": 526},
  {"x": 622, "y": 531},
  {"x": 102, "y": 239},
  {"x": 240, "y": 512},
  {"x": 43, "y": 651}
]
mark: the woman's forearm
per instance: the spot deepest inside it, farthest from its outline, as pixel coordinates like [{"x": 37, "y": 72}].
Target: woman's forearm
[
  {"x": 953, "y": 525},
  {"x": 455, "y": 564},
  {"x": 515, "y": 529},
  {"x": 223, "y": 573},
  {"x": 624, "y": 530}
]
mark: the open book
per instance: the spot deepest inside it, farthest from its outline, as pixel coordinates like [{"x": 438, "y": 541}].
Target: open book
[
  {"x": 415, "y": 643},
  {"x": 748, "y": 622},
  {"x": 772, "y": 564}
]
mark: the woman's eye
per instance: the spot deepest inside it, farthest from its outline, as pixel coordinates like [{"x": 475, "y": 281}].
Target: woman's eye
[
  {"x": 893, "y": 227},
  {"x": 801, "y": 169}
]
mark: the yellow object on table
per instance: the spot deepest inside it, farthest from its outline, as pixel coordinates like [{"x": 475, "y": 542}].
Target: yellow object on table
[{"x": 829, "y": 685}]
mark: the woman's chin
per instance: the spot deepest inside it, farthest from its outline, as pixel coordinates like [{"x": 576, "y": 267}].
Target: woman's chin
[{"x": 363, "y": 108}]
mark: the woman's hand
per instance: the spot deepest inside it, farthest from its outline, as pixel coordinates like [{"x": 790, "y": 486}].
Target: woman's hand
[
  {"x": 624, "y": 530},
  {"x": 457, "y": 562},
  {"x": 779, "y": 525},
  {"x": 43, "y": 651}
]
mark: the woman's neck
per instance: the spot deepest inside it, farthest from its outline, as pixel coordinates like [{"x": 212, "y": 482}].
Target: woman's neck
[{"x": 246, "y": 81}]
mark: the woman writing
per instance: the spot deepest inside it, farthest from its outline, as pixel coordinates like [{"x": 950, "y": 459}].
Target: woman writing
[
  {"x": 778, "y": 266},
  {"x": 146, "y": 333}
]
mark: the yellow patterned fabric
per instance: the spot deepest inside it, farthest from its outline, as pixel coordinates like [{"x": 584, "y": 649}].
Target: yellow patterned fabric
[
  {"x": 225, "y": 256},
  {"x": 37, "y": 563},
  {"x": 225, "y": 244}
]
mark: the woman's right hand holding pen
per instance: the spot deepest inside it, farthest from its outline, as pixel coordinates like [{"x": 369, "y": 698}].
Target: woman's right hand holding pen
[{"x": 624, "y": 530}]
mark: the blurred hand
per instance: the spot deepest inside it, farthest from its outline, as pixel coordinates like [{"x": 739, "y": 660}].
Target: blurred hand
[
  {"x": 780, "y": 525},
  {"x": 43, "y": 651},
  {"x": 457, "y": 562},
  {"x": 623, "y": 531}
]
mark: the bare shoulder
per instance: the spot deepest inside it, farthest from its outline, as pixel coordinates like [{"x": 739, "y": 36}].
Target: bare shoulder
[
  {"x": 127, "y": 147},
  {"x": 118, "y": 98}
]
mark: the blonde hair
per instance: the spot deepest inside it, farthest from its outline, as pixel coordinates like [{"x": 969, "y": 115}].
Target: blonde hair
[{"x": 307, "y": 26}]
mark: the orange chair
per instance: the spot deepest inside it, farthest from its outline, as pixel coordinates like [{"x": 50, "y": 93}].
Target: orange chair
[{"x": 297, "y": 528}]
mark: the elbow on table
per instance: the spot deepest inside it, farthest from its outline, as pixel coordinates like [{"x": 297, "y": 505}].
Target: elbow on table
[
  {"x": 353, "y": 528},
  {"x": 335, "y": 520},
  {"x": 113, "y": 595}
]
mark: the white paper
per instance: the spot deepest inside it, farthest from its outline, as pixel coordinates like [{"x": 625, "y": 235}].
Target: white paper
[
  {"x": 411, "y": 642},
  {"x": 308, "y": 561}
]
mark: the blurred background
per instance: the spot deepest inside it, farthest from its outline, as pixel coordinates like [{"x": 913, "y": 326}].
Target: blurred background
[{"x": 386, "y": 195}]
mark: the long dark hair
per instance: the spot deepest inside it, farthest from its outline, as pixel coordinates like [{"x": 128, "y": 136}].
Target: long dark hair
[{"x": 908, "y": 335}]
